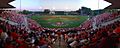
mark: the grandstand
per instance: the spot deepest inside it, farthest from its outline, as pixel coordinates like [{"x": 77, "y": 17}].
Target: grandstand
[{"x": 84, "y": 28}]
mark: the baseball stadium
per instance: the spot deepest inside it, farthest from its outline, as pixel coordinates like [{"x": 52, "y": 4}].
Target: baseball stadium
[{"x": 59, "y": 24}]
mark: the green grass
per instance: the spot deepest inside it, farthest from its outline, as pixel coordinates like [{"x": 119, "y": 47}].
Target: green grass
[{"x": 50, "y": 21}]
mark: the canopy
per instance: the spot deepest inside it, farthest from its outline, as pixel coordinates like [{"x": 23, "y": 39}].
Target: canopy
[
  {"x": 5, "y": 4},
  {"x": 115, "y": 4}
]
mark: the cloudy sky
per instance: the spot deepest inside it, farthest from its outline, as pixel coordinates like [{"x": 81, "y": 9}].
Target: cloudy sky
[{"x": 59, "y": 4}]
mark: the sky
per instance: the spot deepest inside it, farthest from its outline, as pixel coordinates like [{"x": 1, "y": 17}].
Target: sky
[{"x": 61, "y": 5}]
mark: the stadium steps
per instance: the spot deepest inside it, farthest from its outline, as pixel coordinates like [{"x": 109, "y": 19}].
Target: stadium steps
[
  {"x": 59, "y": 44},
  {"x": 10, "y": 22},
  {"x": 119, "y": 45},
  {"x": 109, "y": 22}
]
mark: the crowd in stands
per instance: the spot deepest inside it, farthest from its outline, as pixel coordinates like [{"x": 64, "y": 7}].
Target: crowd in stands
[
  {"x": 33, "y": 25},
  {"x": 17, "y": 37},
  {"x": 106, "y": 17},
  {"x": 100, "y": 19},
  {"x": 18, "y": 18},
  {"x": 104, "y": 37},
  {"x": 13, "y": 16}
]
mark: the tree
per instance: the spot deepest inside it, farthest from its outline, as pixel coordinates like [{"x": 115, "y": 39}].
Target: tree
[
  {"x": 78, "y": 11},
  {"x": 25, "y": 12},
  {"x": 47, "y": 11},
  {"x": 84, "y": 11}
]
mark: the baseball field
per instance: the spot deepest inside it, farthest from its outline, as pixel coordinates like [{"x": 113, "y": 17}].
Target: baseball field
[{"x": 59, "y": 21}]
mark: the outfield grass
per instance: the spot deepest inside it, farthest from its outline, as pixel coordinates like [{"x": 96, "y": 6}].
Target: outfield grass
[{"x": 59, "y": 21}]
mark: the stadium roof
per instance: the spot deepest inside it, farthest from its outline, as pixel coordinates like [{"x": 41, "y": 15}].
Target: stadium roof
[
  {"x": 115, "y": 4},
  {"x": 5, "y": 4}
]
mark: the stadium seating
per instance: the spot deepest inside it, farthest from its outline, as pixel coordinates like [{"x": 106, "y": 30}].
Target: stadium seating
[
  {"x": 17, "y": 37},
  {"x": 9, "y": 15},
  {"x": 100, "y": 19}
]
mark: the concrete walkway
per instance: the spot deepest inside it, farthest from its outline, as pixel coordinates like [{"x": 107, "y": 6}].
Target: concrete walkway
[{"x": 59, "y": 44}]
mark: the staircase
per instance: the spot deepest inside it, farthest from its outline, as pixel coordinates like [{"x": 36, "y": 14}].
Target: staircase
[{"x": 10, "y": 22}]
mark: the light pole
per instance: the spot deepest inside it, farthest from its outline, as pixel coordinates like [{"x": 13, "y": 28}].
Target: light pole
[
  {"x": 20, "y": 5},
  {"x": 98, "y": 3},
  {"x": 94, "y": 22}
]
